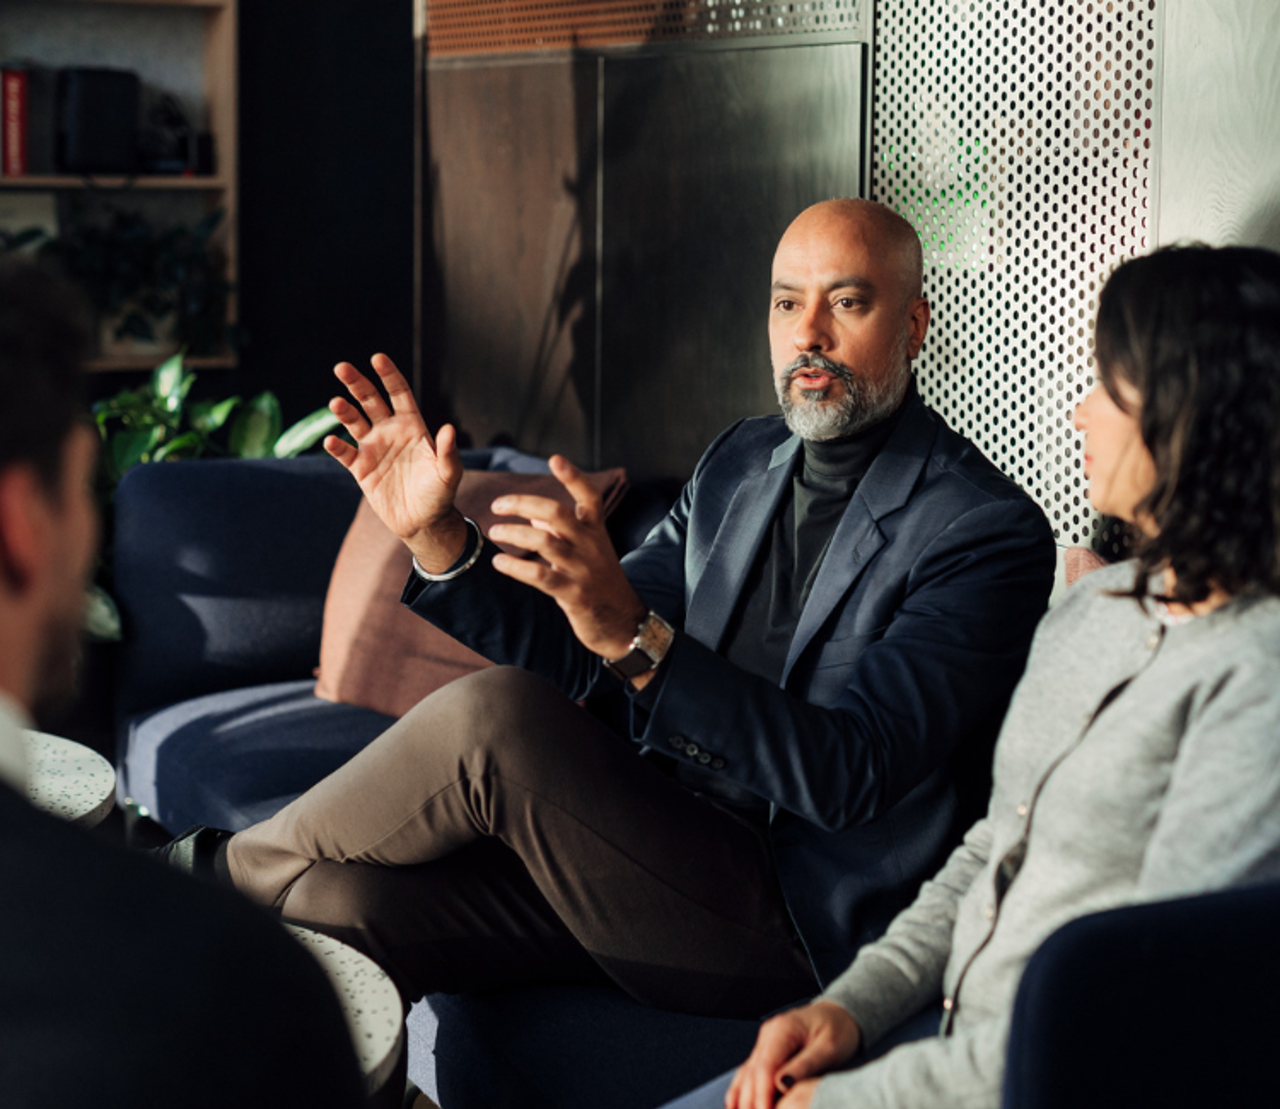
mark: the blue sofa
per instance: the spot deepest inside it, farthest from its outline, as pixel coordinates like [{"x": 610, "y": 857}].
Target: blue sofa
[{"x": 220, "y": 571}]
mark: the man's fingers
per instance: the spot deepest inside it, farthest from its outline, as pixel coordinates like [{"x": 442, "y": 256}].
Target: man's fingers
[
  {"x": 584, "y": 494},
  {"x": 402, "y": 400},
  {"x": 537, "y": 574},
  {"x": 343, "y": 451},
  {"x": 448, "y": 460},
  {"x": 352, "y": 418},
  {"x": 362, "y": 389},
  {"x": 532, "y": 537},
  {"x": 534, "y": 509}
]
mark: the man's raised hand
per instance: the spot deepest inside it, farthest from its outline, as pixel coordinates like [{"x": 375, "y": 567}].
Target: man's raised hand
[{"x": 408, "y": 478}]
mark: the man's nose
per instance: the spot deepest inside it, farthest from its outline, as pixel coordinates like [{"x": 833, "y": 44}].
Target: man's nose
[{"x": 811, "y": 330}]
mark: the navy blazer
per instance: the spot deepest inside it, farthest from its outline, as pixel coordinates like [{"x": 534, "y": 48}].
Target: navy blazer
[{"x": 908, "y": 648}]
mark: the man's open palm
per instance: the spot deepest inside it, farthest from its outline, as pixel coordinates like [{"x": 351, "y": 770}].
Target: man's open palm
[{"x": 408, "y": 477}]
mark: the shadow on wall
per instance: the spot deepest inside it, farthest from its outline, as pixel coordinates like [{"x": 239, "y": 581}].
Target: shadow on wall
[{"x": 1262, "y": 227}]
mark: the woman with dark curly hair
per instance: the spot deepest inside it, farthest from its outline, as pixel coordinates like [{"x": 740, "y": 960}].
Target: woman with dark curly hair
[{"x": 1140, "y": 759}]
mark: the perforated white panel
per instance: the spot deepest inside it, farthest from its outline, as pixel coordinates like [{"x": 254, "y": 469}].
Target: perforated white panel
[{"x": 1017, "y": 137}]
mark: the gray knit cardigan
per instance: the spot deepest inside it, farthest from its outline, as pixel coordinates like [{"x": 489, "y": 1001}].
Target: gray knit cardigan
[{"x": 1138, "y": 761}]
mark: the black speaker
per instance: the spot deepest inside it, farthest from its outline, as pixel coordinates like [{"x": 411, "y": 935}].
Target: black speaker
[{"x": 98, "y": 117}]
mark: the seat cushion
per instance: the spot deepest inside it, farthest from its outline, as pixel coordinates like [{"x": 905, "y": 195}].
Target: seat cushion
[
  {"x": 221, "y": 568},
  {"x": 559, "y": 1046},
  {"x": 231, "y": 759}
]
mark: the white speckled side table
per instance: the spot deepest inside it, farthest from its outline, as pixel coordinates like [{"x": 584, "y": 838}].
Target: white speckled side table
[
  {"x": 370, "y": 1002},
  {"x": 68, "y": 779}
]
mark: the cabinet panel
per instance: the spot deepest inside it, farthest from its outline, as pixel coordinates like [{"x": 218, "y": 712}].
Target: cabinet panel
[
  {"x": 707, "y": 157},
  {"x": 512, "y": 182},
  {"x": 665, "y": 243}
]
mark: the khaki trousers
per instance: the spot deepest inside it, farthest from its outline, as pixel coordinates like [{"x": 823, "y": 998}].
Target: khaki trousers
[{"x": 499, "y": 835}]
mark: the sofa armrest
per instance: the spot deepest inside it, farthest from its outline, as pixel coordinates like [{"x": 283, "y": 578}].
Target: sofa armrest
[
  {"x": 220, "y": 570},
  {"x": 1170, "y": 1003}
]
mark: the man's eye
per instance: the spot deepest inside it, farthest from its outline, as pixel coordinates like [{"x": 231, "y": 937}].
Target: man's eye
[
  {"x": 784, "y": 305},
  {"x": 849, "y": 302}
]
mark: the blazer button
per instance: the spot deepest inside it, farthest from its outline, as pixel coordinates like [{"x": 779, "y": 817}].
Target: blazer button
[
  {"x": 704, "y": 758},
  {"x": 717, "y": 764},
  {"x": 691, "y": 750},
  {"x": 676, "y": 741}
]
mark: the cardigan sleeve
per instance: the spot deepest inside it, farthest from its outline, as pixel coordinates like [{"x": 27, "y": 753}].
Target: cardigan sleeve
[{"x": 894, "y": 978}]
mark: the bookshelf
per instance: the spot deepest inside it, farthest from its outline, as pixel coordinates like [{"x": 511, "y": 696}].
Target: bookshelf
[{"x": 185, "y": 47}]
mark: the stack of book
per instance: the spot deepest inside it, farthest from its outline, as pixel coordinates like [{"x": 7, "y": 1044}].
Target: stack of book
[{"x": 28, "y": 120}]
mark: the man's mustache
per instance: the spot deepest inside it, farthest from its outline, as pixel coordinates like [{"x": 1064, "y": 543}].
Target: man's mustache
[{"x": 809, "y": 361}]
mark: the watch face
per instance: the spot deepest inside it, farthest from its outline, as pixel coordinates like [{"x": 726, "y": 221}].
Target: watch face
[{"x": 649, "y": 648}]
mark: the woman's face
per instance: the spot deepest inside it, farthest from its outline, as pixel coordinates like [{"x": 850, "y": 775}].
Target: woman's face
[{"x": 1117, "y": 463}]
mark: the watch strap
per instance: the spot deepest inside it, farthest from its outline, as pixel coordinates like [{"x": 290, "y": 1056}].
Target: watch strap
[{"x": 653, "y": 639}]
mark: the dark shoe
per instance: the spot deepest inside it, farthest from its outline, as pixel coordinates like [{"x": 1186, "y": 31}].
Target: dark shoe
[{"x": 199, "y": 851}]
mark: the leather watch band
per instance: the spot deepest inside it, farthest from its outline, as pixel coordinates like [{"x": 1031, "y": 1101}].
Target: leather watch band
[{"x": 653, "y": 639}]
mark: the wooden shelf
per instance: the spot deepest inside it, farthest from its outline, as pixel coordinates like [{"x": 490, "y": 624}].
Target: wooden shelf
[
  {"x": 115, "y": 362},
  {"x": 114, "y": 181},
  {"x": 155, "y": 3},
  {"x": 215, "y": 22}
]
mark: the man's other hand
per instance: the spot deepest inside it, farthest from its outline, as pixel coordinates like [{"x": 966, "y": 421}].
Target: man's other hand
[
  {"x": 408, "y": 478},
  {"x": 579, "y": 569},
  {"x": 791, "y": 1051}
]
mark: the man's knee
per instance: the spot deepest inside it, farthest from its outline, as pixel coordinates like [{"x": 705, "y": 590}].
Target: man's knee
[{"x": 495, "y": 714}]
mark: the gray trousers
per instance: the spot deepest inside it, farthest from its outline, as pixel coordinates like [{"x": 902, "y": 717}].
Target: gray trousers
[{"x": 499, "y": 835}]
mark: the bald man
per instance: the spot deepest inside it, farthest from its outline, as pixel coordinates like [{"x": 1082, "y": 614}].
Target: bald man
[{"x": 828, "y": 623}]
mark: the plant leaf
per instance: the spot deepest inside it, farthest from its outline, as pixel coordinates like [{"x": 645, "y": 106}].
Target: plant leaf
[
  {"x": 190, "y": 444},
  {"x": 171, "y": 383},
  {"x": 305, "y": 433},
  {"x": 207, "y": 416},
  {"x": 101, "y": 616},
  {"x": 256, "y": 427},
  {"x": 128, "y": 448}
]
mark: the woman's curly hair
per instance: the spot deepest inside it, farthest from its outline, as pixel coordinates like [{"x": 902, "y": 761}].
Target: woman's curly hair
[{"x": 1196, "y": 330}]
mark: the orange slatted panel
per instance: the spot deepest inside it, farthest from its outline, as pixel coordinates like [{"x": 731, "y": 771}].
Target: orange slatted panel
[{"x": 459, "y": 27}]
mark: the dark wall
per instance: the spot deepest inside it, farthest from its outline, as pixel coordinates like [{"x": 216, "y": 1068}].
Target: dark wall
[{"x": 326, "y": 193}]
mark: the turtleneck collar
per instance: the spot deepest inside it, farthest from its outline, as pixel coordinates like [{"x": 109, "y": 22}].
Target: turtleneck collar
[{"x": 852, "y": 455}]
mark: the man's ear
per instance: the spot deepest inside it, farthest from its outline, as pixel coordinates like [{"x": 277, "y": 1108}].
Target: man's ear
[
  {"x": 24, "y": 527},
  {"x": 918, "y": 322}
]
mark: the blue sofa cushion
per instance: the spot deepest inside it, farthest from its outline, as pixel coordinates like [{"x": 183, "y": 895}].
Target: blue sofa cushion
[
  {"x": 233, "y": 758},
  {"x": 221, "y": 569},
  {"x": 563, "y": 1047}
]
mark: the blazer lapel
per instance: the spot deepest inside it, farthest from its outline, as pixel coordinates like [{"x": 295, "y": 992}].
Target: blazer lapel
[
  {"x": 886, "y": 488},
  {"x": 749, "y": 516}
]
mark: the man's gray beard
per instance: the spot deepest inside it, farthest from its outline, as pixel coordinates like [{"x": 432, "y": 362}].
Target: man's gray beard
[{"x": 861, "y": 404}]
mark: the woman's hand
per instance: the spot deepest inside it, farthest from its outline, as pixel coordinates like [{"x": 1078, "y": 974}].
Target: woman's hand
[
  {"x": 408, "y": 478},
  {"x": 792, "y": 1050}
]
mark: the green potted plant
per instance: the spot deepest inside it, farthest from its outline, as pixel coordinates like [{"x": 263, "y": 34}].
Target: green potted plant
[{"x": 158, "y": 422}]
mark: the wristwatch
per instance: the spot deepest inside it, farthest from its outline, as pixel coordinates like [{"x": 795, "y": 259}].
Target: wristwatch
[{"x": 650, "y": 646}]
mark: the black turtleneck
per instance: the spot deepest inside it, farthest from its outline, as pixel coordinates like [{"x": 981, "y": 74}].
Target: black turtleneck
[
  {"x": 826, "y": 476},
  {"x": 791, "y": 553}
]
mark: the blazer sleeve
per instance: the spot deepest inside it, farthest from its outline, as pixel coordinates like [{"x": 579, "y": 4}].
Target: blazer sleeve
[
  {"x": 943, "y": 669},
  {"x": 512, "y": 624}
]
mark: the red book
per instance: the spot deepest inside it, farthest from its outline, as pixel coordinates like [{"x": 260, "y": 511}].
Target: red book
[{"x": 13, "y": 122}]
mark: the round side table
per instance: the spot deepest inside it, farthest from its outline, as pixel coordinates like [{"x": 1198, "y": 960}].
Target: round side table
[
  {"x": 68, "y": 779},
  {"x": 370, "y": 1002}
]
